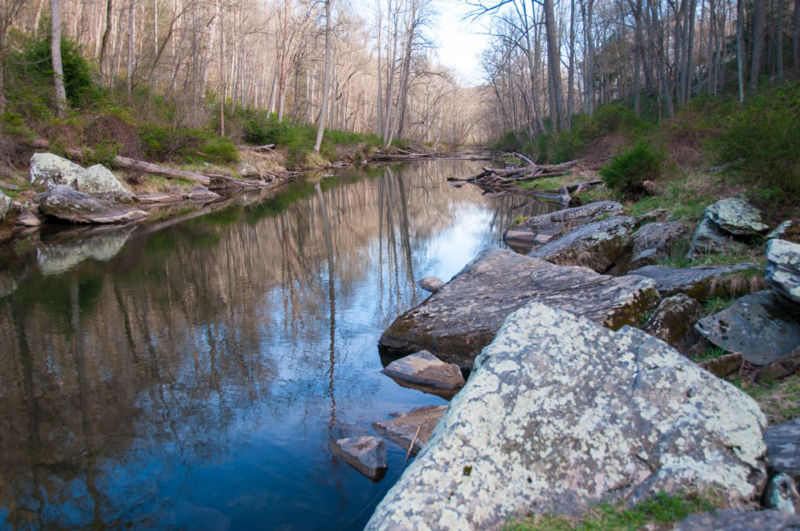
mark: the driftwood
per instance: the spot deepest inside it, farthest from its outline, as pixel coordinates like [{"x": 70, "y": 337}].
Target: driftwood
[
  {"x": 378, "y": 157},
  {"x": 258, "y": 149}
]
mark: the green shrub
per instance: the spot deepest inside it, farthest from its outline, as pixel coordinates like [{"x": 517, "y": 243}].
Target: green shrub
[
  {"x": 627, "y": 172},
  {"x": 220, "y": 150},
  {"x": 260, "y": 129},
  {"x": 163, "y": 144},
  {"x": 566, "y": 146}
]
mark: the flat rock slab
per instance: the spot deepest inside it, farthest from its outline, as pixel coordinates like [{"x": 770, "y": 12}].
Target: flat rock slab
[
  {"x": 737, "y": 520},
  {"x": 365, "y": 454},
  {"x": 539, "y": 230},
  {"x": 703, "y": 283},
  {"x": 402, "y": 429},
  {"x": 431, "y": 284},
  {"x": 464, "y": 316},
  {"x": 65, "y": 203},
  {"x": 201, "y": 194},
  {"x": 158, "y": 199},
  {"x": 783, "y": 268},
  {"x": 762, "y": 327},
  {"x": 736, "y": 216},
  {"x": 783, "y": 448},
  {"x": 560, "y": 414},
  {"x": 423, "y": 368},
  {"x": 597, "y": 245}
]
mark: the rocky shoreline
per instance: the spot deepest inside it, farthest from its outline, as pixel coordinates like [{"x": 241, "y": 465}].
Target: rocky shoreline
[{"x": 588, "y": 379}]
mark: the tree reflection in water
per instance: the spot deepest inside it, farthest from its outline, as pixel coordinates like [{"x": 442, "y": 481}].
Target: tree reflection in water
[{"x": 190, "y": 375}]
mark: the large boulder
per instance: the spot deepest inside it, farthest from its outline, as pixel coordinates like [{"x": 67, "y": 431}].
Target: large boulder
[
  {"x": 425, "y": 370},
  {"x": 98, "y": 181},
  {"x": 6, "y": 206},
  {"x": 783, "y": 268},
  {"x": 66, "y": 203},
  {"x": 738, "y": 520},
  {"x": 706, "y": 282},
  {"x": 49, "y": 170},
  {"x": 561, "y": 413},
  {"x": 673, "y": 321},
  {"x": 655, "y": 241},
  {"x": 539, "y": 230},
  {"x": 464, "y": 316},
  {"x": 736, "y": 216},
  {"x": 762, "y": 327},
  {"x": 414, "y": 427},
  {"x": 365, "y": 454},
  {"x": 598, "y": 246}
]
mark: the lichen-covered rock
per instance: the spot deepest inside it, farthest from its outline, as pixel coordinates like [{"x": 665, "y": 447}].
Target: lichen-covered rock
[
  {"x": 50, "y": 170},
  {"x": 736, "y": 216},
  {"x": 365, "y": 454},
  {"x": 425, "y": 369},
  {"x": 710, "y": 238},
  {"x": 654, "y": 242},
  {"x": 6, "y": 205},
  {"x": 783, "y": 268},
  {"x": 783, "y": 448},
  {"x": 762, "y": 327},
  {"x": 431, "y": 284},
  {"x": 788, "y": 230},
  {"x": 415, "y": 426},
  {"x": 464, "y": 316},
  {"x": 738, "y": 520},
  {"x": 597, "y": 245},
  {"x": 98, "y": 181},
  {"x": 246, "y": 170},
  {"x": 66, "y": 203},
  {"x": 781, "y": 494},
  {"x": 673, "y": 321},
  {"x": 560, "y": 413},
  {"x": 539, "y": 230},
  {"x": 704, "y": 283}
]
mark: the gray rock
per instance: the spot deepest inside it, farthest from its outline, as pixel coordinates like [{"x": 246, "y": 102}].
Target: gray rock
[
  {"x": 28, "y": 219},
  {"x": 200, "y": 194},
  {"x": 781, "y": 494},
  {"x": 246, "y": 170},
  {"x": 464, "y": 316},
  {"x": 416, "y": 425},
  {"x": 761, "y": 327},
  {"x": 597, "y": 245},
  {"x": 710, "y": 238},
  {"x": 738, "y": 520},
  {"x": 541, "y": 229},
  {"x": 673, "y": 321},
  {"x": 783, "y": 268},
  {"x": 49, "y": 170},
  {"x": 787, "y": 365},
  {"x": 736, "y": 216},
  {"x": 425, "y": 369},
  {"x": 365, "y": 454},
  {"x": 783, "y": 448},
  {"x": 66, "y": 203},
  {"x": 655, "y": 241},
  {"x": 98, "y": 181},
  {"x": 561, "y": 413},
  {"x": 431, "y": 284},
  {"x": 703, "y": 283},
  {"x": 658, "y": 214},
  {"x": 788, "y": 230},
  {"x": 6, "y": 205},
  {"x": 724, "y": 365}
]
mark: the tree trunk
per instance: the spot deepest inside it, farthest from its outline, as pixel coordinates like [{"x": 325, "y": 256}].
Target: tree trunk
[
  {"x": 796, "y": 36},
  {"x": 55, "y": 51},
  {"x": 553, "y": 66},
  {"x": 131, "y": 31},
  {"x": 571, "y": 76},
  {"x": 105, "y": 60},
  {"x": 327, "y": 84},
  {"x": 779, "y": 40},
  {"x": 759, "y": 16},
  {"x": 740, "y": 46}
]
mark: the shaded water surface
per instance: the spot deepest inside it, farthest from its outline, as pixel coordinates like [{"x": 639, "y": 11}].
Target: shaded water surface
[{"x": 191, "y": 375}]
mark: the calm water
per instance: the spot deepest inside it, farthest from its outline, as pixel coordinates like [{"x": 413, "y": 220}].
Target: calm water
[{"x": 191, "y": 375}]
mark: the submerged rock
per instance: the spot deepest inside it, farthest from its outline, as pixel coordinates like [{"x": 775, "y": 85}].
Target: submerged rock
[
  {"x": 762, "y": 327},
  {"x": 597, "y": 245},
  {"x": 201, "y": 194},
  {"x": 431, "y": 284},
  {"x": 783, "y": 448},
  {"x": 736, "y": 216},
  {"x": 419, "y": 422},
  {"x": 738, "y": 520},
  {"x": 98, "y": 181},
  {"x": 704, "y": 283},
  {"x": 783, "y": 268},
  {"x": 655, "y": 241},
  {"x": 66, "y": 203},
  {"x": 781, "y": 494},
  {"x": 365, "y": 454},
  {"x": 464, "y": 316},
  {"x": 673, "y": 321},
  {"x": 539, "y": 230},
  {"x": 425, "y": 369},
  {"x": 561, "y": 413},
  {"x": 50, "y": 170}
]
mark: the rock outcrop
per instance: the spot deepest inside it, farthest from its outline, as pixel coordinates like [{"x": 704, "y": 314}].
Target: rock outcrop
[
  {"x": 704, "y": 283},
  {"x": 464, "y": 316},
  {"x": 724, "y": 225},
  {"x": 50, "y": 170},
  {"x": 415, "y": 426},
  {"x": 365, "y": 454},
  {"x": 68, "y": 204},
  {"x": 655, "y": 241},
  {"x": 597, "y": 245},
  {"x": 539, "y": 230},
  {"x": 783, "y": 268},
  {"x": 561, "y": 413},
  {"x": 426, "y": 370},
  {"x": 673, "y": 321},
  {"x": 98, "y": 181}
]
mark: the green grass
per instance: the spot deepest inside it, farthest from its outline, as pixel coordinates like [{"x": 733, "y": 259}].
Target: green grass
[
  {"x": 717, "y": 304},
  {"x": 662, "y": 509},
  {"x": 711, "y": 353},
  {"x": 780, "y": 401}
]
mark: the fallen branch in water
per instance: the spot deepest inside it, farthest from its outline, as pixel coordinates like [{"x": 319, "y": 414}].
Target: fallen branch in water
[{"x": 411, "y": 446}]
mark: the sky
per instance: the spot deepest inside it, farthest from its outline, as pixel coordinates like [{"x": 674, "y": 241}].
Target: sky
[{"x": 460, "y": 42}]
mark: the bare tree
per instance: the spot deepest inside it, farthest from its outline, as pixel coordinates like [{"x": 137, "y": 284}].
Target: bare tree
[{"x": 55, "y": 52}]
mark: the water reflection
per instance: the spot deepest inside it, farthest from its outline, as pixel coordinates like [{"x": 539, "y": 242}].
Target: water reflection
[{"x": 191, "y": 375}]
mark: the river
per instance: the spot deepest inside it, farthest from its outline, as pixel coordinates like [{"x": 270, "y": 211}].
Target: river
[{"x": 191, "y": 375}]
